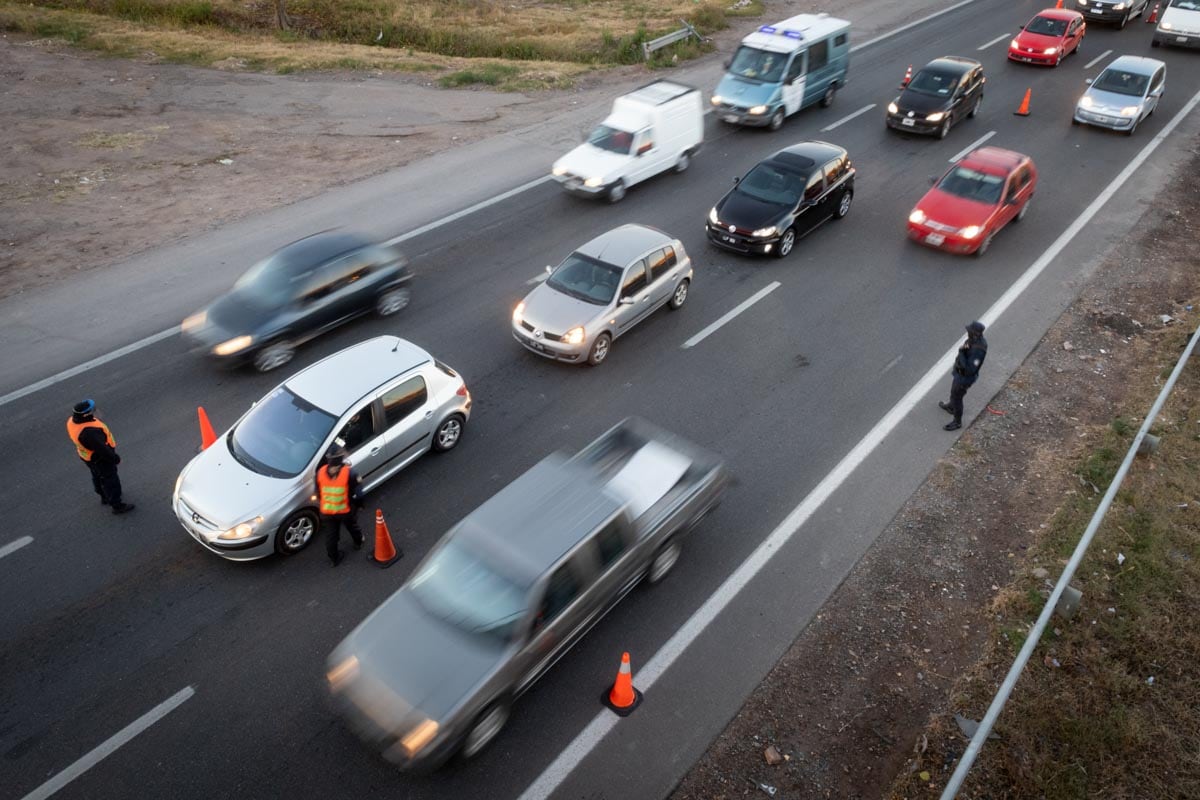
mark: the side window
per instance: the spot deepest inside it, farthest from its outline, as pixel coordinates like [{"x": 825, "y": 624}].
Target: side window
[
  {"x": 815, "y": 186},
  {"x": 609, "y": 543},
  {"x": 840, "y": 40},
  {"x": 560, "y": 591},
  {"x": 818, "y": 55},
  {"x": 645, "y": 141},
  {"x": 402, "y": 400},
  {"x": 796, "y": 68},
  {"x": 660, "y": 262},
  {"x": 834, "y": 171},
  {"x": 635, "y": 279},
  {"x": 359, "y": 429},
  {"x": 1158, "y": 80}
]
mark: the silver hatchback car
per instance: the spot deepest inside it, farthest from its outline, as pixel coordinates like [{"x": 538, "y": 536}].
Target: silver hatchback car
[
  {"x": 251, "y": 493},
  {"x": 1124, "y": 94},
  {"x": 600, "y": 292}
]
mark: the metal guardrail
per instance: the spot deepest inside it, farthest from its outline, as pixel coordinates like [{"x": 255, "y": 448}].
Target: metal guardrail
[
  {"x": 1035, "y": 634},
  {"x": 686, "y": 32}
]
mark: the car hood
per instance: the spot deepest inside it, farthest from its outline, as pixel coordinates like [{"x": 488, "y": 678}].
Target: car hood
[
  {"x": 233, "y": 315},
  {"x": 1037, "y": 41},
  {"x": 427, "y": 663},
  {"x": 551, "y": 310},
  {"x": 745, "y": 93},
  {"x": 921, "y": 103},
  {"x": 1181, "y": 20},
  {"x": 216, "y": 486},
  {"x": 589, "y": 161},
  {"x": 949, "y": 209},
  {"x": 748, "y": 213},
  {"x": 1112, "y": 101}
]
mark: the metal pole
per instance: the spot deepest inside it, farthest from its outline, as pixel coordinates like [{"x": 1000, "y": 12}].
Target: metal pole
[{"x": 1035, "y": 635}]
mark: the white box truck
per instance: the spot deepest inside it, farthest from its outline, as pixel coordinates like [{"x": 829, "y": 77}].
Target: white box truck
[{"x": 657, "y": 127}]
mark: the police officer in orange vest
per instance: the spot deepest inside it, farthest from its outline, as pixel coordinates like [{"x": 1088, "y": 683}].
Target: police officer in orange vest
[
  {"x": 340, "y": 495},
  {"x": 98, "y": 450}
]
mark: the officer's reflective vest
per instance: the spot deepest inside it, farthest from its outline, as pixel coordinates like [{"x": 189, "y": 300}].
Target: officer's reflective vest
[
  {"x": 334, "y": 491},
  {"x": 75, "y": 428}
]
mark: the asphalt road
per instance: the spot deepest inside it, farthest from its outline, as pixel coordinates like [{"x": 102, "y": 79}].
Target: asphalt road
[{"x": 107, "y": 617}]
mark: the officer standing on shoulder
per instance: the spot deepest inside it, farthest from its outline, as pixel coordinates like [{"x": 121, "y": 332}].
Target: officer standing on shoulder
[
  {"x": 966, "y": 370},
  {"x": 98, "y": 450},
  {"x": 340, "y": 495}
]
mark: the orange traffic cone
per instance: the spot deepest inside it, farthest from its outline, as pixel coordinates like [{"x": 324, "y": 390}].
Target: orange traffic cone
[
  {"x": 907, "y": 77},
  {"x": 1023, "y": 110},
  {"x": 1153, "y": 14},
  {"x": 1058, "y": 4},
  {"x": 207, "y": 435},
  {"x": 623, "y": 698},
  {"x": 385, "y": 553}
]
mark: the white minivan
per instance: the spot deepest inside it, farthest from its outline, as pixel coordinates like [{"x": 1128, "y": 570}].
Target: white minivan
[
  {"x": 1179, "y": 24},
  {"x": 657, "y": 127}
]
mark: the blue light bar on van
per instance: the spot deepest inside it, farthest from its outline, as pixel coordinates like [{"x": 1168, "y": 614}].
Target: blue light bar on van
[
  {"x": 793, "y": 34},
  {"x": 766, "y": 29}
]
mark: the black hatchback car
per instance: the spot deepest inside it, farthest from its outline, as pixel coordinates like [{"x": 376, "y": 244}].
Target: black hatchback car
[
  {"x": 783, "y": 198},
  {"x": 943, "y": 92},
  {"x": 297, "y": 293}
]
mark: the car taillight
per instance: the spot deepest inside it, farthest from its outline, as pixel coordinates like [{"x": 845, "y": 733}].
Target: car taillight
[{"x": 462, "y": 391}]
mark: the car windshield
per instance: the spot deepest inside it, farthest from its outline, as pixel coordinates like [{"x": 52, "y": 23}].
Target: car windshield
[
  {"x": 611, "y": 139},
  {"x": 273, "y": 281},
  {"x": 1120, "y": 81},
  {"x": 771, "y": 184},
  {"x": 933, "y": 82},
  {"x": 458, "y": 586},
  {"x": 586, "y": 279},
  {"x": 971, "y": 184},
  {"x": 280, "y": 435},
  {"x": 1047, "y": 26},
  {"x": 1186, "y": 5},
  {"x": 758, "y": 65}
]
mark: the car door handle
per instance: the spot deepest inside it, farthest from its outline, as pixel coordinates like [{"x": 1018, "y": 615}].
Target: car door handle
[
  {"x": 428, "y": 415},
  {"x": 375, "y": 451}
]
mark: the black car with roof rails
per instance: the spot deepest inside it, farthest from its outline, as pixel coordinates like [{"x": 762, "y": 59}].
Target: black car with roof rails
[
  {"x": 783, "y": 198},
  {"x": 942, "y": 93},
  {"x": 297, "y": 293}
]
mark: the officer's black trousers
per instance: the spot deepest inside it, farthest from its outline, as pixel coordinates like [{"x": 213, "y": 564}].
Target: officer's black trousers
[
  {"x": 333, "y": 531},
  {"x": 105, "y": 481},
  {"x": 957, "y": 392}
]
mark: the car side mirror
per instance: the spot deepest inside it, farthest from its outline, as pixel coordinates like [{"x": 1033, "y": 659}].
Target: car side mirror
[
  {"x": 549, "y": 269},
  {"x": 1088, "y": 81},
  {"x": 728, "y": 63},
  {"x": 625, "y": 301},
  {"x": 646, "y": 148},
  {"x": 933, "y": 180},
  {"x": 737, "y": 180}
]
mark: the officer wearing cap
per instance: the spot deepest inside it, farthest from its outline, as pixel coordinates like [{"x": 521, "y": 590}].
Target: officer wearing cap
[
  {"x": 98, "y": 450},
  {"x": 339, "y": 495},
  {"x": 966, "y": 370}
]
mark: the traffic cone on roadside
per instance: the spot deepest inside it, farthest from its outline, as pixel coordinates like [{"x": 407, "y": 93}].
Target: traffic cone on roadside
[
  {"x": 1058, "y": 4},
  {"x": 623, "y": 698},
  {"x": 207, "y": 434},
  {"x": 385, "y": 553},
  {"x": 1023, "y": 109},
  {"x": 907, "y": 77},
  {"x": 1153, "y": 14}
]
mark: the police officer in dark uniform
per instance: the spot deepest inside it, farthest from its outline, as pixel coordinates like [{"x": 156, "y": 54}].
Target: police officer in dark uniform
[
  {"x": 339, "y": 493},
  {"x": 966, "y": 370},
  {"x": 97, "y": 449}
]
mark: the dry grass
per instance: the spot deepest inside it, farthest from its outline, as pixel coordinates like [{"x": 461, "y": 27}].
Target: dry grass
[{"x": 128, "y": 140}]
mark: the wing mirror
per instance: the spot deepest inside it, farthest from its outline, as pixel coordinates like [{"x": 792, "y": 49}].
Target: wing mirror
[
  {"x": 728, "y": 63},
  {"x": 625, "y": 301},
  {"x": 737, "y": 180},
  {"x": 646, "y": 148},
  {"x": 933, "y": 180},
  {"x": 549, "y": 269},
  {"x": 1088, "y": 81}
]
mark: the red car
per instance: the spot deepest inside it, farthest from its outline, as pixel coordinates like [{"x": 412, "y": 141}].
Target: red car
[
  {"x": 1049, "y": 37},
  {"x": 977, "y": 197}
]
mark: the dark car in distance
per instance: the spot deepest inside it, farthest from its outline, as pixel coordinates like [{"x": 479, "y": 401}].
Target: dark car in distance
[
  {"x": 297, "y": 293},
  {"x": 943, "y": 92},
  {"x": 783, "y": 198}
]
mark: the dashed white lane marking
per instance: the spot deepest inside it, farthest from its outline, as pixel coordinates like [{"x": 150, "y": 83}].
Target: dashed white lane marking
[
  {"x": 1097, "y": 59},
  {"x": 999, "y": 38},
  {"x": 711, "y": 329},
  {"x": 884, "y": 36},
  {"x": 847, "y": 118},
  {"x": 111, "y": 745},
  {"x": 13, "y": 547},
  {"x": 892, "y": 363},
  {"x": 958, "y": 156}
]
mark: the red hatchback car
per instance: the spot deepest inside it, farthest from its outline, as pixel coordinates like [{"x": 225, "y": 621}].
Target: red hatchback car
[
  {"x": 1049, "y": 37},
  {"x": 977, "y": 197}
]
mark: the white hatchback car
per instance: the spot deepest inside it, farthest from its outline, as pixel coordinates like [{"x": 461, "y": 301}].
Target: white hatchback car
[{"x": 251, "y": 493}]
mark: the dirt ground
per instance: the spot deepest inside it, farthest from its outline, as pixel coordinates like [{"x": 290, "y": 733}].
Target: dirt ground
[{"x": 846, "y": 708}]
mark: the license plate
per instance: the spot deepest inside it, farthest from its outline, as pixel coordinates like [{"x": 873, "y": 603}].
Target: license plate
[
  {"x": 934, "y": 239},
  {"x": 574, "y": 184},
  {"x": 907, "y": 122},
  {"x": 1181, "y": 39},
  {"x": 730, "y": 118}
]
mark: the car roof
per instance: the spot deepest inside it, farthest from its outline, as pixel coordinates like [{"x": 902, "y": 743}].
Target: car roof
[
  {"x": 321, "y": 247},
  {"x": 526, "y": 527},
  {"x": 622, "y": 245},
  {"x": 995, "y": 160},
  {"x": 337, "y": 382},
  {"x": 1058, "y": 13},
  {"x": 795, "y": 32},
  {"x": 952, "y": 64},
  {"x": 1139, "y": 65},
  {"x": 805, "y": 155}
]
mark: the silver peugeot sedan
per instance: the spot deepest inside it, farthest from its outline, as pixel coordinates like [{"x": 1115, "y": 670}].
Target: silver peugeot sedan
[
  {"x": 251, "y": 493},
  {"x": 1124, "y": 94},
  {"x": 600, "y": 292}
]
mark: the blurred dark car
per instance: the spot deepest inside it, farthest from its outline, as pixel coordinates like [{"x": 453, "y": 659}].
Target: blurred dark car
[{"x": 298, "y": 293}]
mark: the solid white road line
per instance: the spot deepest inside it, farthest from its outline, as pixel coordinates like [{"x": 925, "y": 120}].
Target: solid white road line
[
  {"x": 704, "y": 334},
  {"x": 1097, "y": 59},
  {"x": 110, "y": 745},
  {"x": 457, "y": 215},
  {"x": 558, "y": 770},
  {"x": 884, "y": 36},
  {"x": 999, "y": 38},
  {"x": 958, "y": 156},
  {"x": 13, "y": 547},
  {"x": 862, "y": 110}
]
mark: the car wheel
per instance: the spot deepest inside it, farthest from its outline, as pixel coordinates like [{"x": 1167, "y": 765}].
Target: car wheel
[
  {"x": 1078, "y": 45},
  {"x": 975, "y": 108},
  {"x": 1132, "y": 128},
  {"x": 985, "y": 244},
  {"x": 446, "y": 437},
  {"x": 1154, "y": 43},
  {"x": 599, "y": 350},
  {"x": 273, "y": 356},
  {"x": 391, "y": 301},
  {"x": 680, "y": 295},
  {"x": 1074, "y": 121},
  {"x": 1124, "y": 21},
  {"x": 944, "y": 131},
  {"x": 685, "y": 161},
  {"x": 786, "y": 243},
  {"x": 1024, "y": 210},
  {"x": 296, "y": 532},
  {"x": 487, "y": 727},
  {"x": 617, "y": 192},
  {"x": 844, "y": 204},
  {"x": 776, "y": 120},
  {"x": 1057, "y": 59},
  {"x": 664, "y": 560},
  {"x": 827, "y": 98}
]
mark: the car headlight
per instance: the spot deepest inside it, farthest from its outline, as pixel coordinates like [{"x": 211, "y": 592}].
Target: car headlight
[
  {"x": 1014, "y": 45},
  {"x": 770, "y": 230},
  {"x": 717, "y": 100},
  {"x": 347, "y": 670},
  {"x": 1085, "y": 102},
  {"x": 519, "y": 312},
  {"x": 593, "y": 182},
  {"x": 970, "y": 232},
  {"x": 574, "y": 336},
  {"x": 234, "y": 345},
  {"x": 893, "y": 108},
  {"x": 758, "y": 110},
  {"x": 419, "y": 737},
  {"x": 935, "y": 116},
  {"x": 242, "y": 530},
  {"x": 195, "y": 322},
  {"x": 712, "y": 216},
  {"x": 1119, "y": 7},
  {"x": 559, "y": 171},
  {"x": 1166, "y": 26},
  {"x": 1081, "y": 2},
  {"x": 1050, "y": 51},
  {"x": 1129, "y": 111},
  {"x": 917, "y": 216}
]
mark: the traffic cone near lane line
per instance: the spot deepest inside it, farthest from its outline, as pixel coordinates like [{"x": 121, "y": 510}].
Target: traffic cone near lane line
[
  {"x": 1153, "y": 14},
  {"x": 907, "y": 77},
  {"x": 385, "y": 553},
  {"x": 623, "y": 698},
  {"x": 1058, "y": 4},
  {"x": 1023, "y": 110},
  {"x": 207, "y": 434}
]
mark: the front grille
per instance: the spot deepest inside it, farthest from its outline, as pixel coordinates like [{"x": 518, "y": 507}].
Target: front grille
[
  {"x": 940, "y": 226},
  {"x": 553, "y": 337},
  {"x": 190, "y": 514}
]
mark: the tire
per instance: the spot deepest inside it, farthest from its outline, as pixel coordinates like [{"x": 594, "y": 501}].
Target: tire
[
  {"x": 392, "y": 301},
  {"x": 617, "y": 193},
  {"x": 685, "y": 160},
  {"x": 486, "y": 728},
  {"x": 776, "y": 120},
  {"x": 679, "y": 296},
  {"x": 448, "y": 434},
  {"x": 1124, "y": 22},
  {"x": 1074, "y": 121},
  {"x": 274, "y": 356},
  {"x": 944, "y": 131},
  {"x": 1078, "y": 45},
  {"x": 1154, "y": 43},
  {"x": 664, "y": 560},
  {"x": 1024, "y": 210},
  {"x": 844, "y": 204},
  {"x": 786, "y": 243},
  {"x": 975, "y": 108},
  {"x": 296, "y": 532},
  {"x": 1132, "y": 128},
  {"x": 599, "y": 350},
  {"x": 827, "y": 98},
  {"x": 1057, "y": 59},
  {"x": 985, "y": 244}
]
